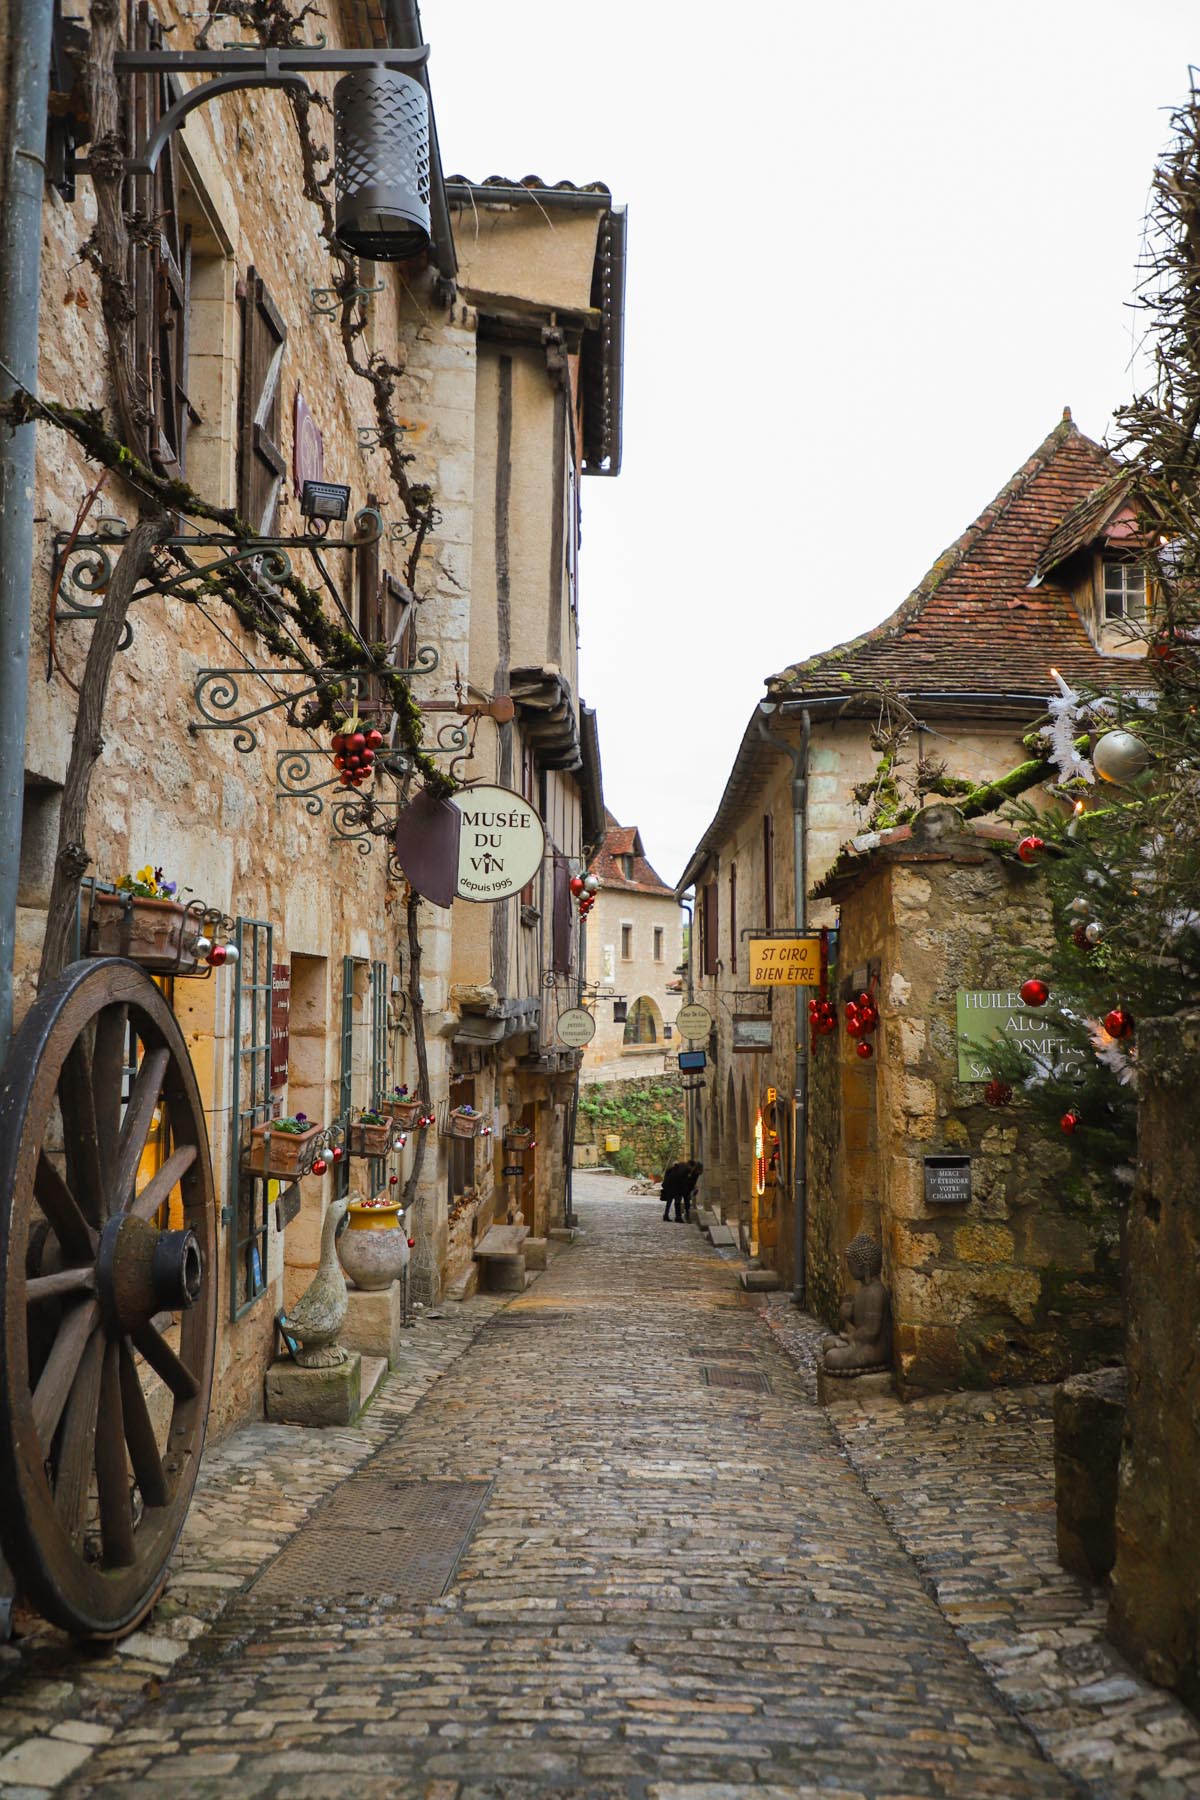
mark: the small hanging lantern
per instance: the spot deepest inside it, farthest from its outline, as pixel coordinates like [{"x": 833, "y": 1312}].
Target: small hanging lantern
[
  {"x": 381, "y": 164},
  {"x": 620, "y": 1011}
]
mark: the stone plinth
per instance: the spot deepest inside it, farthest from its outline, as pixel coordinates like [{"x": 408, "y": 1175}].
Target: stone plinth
[
  {"x": 759, "y": 1281},
  {"x": 374, "y": 1322},
  {"x": 536, "y": 1252},
  {"x": 721, "y": 1236},
  {"x": 296, "y": 1396},
  {"x": 1089, "y": 1415},
  {"x": 503, "y": 1275},
  {"x": 854, "y": 1390}
]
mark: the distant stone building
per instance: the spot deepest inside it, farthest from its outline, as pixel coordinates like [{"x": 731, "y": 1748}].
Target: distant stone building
[
  {"x": 634, "y": 947},
  {"x": 939, "y": 696}
]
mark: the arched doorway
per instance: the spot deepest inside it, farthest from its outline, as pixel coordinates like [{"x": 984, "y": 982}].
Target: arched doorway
[{"x": 644, "y": 1024}]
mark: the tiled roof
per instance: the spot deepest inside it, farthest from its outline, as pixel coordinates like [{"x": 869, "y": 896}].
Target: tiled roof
[
  {"x": 533, "y": 182},
  {"x": 973, "y": 624},
  {"x": 626, "y": 840}
]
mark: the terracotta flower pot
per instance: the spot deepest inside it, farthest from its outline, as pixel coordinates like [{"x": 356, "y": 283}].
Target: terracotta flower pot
[
  {"x": 149, "y": 932},
  {"x": 464, "y": 1125},
  {"x": 404, "y": 1113},
  {"x": 286, "y": 1153},
  {"x": 369, "y": 1140}
]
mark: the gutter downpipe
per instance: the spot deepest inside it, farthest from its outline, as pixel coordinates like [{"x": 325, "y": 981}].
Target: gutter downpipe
[
  {"x": 24, "y": 152},
  {"x": 688, "y": 907},
  {"x": 800, "y": 873}
]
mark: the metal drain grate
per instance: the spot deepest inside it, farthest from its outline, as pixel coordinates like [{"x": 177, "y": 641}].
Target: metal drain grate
[
  {"x": 710, "y": 1353},
  {"x": 751, "y": 1381},
  {"x": 379, "y": 1536},
  {"x": 513, "y": 1321}
]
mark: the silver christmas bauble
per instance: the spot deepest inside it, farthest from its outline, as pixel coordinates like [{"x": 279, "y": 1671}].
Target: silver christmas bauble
[
  {"x": 1093, "y": 932},
  {"x": 591, "y": 884},
  {"x": 1120, "y": 757},
  {"x": 1080, "y": 904}
]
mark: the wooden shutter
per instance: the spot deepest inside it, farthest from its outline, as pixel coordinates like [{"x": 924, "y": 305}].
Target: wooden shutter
[
  {"x": 710, "y": 928},
  {"x": 260, "y": 465},
  {"x": 160, "y": 278},
  {"x": 562, "y": 916},
  {"x": 768, "y": 871}
]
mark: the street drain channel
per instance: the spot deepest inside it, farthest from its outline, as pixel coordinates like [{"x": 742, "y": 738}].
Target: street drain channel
[
  {"x": 711, "y": 1353},
  {"x": 751, "y": 1381},
  {"x": 378, "y": 1536},
  {"x": 511, "y": 1321}
]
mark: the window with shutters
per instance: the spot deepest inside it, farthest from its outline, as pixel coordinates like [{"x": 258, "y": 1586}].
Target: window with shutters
[
  {"x": 260, "y": 464},
  {"x": 160, "y": 274},
  {"x": 709, "y": 937}
]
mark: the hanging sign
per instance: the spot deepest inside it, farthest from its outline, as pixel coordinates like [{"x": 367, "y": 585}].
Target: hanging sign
[
  {"x": 281, "y": 1010},
  {"x": 576, "y": 1027},
  {"x": 693, "y": 1021},
  {"x": 501, "y": 844},
  {"x": 751, "y": 1032},
  {"x": 785, "y": 961}
]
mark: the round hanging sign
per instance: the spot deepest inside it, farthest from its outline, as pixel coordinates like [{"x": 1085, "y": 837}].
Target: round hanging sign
[
  {"x": 500, "y": 845},
  {"x": 693, "y": 1021},
  {"x": 576, "y": 1027}
]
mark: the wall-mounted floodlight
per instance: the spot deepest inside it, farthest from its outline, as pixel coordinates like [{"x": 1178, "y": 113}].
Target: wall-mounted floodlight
[{"x": 325, "y": 500}]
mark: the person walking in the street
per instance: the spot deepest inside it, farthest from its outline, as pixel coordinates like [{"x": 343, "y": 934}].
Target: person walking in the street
[{"x": 674, "y": 1183}]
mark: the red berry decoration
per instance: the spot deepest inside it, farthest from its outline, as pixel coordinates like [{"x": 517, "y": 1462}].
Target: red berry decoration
[
  {"x": 393, "y": 1180},
  {"x": 864, "y": 1050},
  {"x": 319, "y": 1165},
  {"x": 1069, "y": 1123},
  {"x": 1118, "y": 1023},
  {"x": 374, "y": 739},
  {"x": 357, "y": 740},
  {"x": 997, "y": 1093},
  {"x": 1028, "y": 848},
  {"x": 1034, "y": 993}
]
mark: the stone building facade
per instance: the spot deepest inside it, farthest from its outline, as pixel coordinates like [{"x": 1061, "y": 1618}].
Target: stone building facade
[
  {"x": 634, "y": 944},
  {"x": 956, "y": 678},
  {"x": 504, "y": 342}
]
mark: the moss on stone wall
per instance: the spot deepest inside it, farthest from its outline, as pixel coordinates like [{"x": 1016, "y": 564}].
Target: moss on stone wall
[{"x": 647, "y": 1115}]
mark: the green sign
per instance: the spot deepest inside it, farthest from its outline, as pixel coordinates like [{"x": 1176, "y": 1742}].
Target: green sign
[{"x": 984, "y": 1014}]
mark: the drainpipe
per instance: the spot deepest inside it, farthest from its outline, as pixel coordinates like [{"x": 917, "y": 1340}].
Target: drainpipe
[
  {"x": 24, "y": 152},
  {"x": 689, "y": 909},
  {"x": 800, "y": 872}
]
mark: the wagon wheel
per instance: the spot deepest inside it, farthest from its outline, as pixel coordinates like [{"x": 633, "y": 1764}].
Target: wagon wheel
[{"x": 108, "y": 1296}]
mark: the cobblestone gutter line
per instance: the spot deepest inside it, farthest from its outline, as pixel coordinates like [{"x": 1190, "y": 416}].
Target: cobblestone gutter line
[
  {"x": 966, "y": 1481},
  {"x": 59, "y": 1700}
]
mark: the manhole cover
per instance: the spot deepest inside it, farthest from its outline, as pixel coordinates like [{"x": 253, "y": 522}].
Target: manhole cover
[
  {"x": 512, "y": 1321},
  {"x": 708, "y": 1353},
  {"x": 751, "y": 1381},
  {"x": 378, "y": 1536}
]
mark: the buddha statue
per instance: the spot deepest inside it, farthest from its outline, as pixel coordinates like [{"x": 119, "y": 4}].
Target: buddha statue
[{"x": 866, "y": 1341}]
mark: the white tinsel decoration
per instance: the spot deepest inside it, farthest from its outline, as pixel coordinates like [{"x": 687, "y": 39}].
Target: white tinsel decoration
[
  {"x": 1065, "y": 712},
  {"x": 1121, "y": 1061}
]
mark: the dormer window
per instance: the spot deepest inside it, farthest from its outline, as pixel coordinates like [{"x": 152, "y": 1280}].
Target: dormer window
[
  {"x": 1124, "y": 590},
  {"x": 627, "y": 867}
]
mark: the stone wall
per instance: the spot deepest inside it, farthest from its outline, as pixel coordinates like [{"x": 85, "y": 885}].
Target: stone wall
[
  {"x": 1154, "y": 1613},
  {"x": 1021, "y": 1283},
  {"x": 647, "y": 1116}
]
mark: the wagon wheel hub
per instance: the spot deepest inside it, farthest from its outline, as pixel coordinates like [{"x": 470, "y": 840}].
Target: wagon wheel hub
[{"x": 141, "y": 1271}]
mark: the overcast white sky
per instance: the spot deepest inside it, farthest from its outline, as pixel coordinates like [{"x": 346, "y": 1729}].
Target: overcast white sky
[{"x": 874, "y": 249}]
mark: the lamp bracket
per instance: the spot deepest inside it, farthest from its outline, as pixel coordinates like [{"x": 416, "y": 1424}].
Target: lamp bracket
[{"x": 234, "y": 69}]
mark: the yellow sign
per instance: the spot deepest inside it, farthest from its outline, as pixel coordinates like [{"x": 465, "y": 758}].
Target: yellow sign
[
  {"x": 785, "y": 962},
  {"x": 772, "y": 1096}
]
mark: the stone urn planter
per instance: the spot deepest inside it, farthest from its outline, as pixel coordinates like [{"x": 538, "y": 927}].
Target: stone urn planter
[
  {"x": 153, "y": 933},
  {"x": 282, "y": 1153},
  {"x": 374, "y": 1252}
]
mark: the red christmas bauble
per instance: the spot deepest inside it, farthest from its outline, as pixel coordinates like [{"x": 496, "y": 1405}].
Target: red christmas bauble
[
  {"x": 358, "y": 740},
  {"x": 1079, "y": 937},
  {"x": 1034, "y": 992},
  {"x": 393, "y": 1180},
  {"x": 864, "y": 1050},
  {"x": 997, "y": 1093},
  {"x": 337, "y": 1153},
  {"x": 853, "y": 1028},
  {"x": 374, "y": 739},
  {"x": 319, "y": 1165},
  {"x": 1029, "y": 846},
  {"x": 412, "y": 1243},
  {"x": 1119, "y": 1023},
  {"x": 217, "y": 955},
  {"x": 825, "y": 1026},
  {"x": 577, "y": 884},
  {"x": 1069, "y": 1123}
]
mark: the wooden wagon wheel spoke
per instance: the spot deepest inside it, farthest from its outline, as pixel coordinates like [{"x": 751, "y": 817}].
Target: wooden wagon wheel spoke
[
  {"x": 78, "y": 1445},
  {"x": 80, "y": 1132},
  {"x": 63, "y": 1281},
  {"x": 56, "y": 1200},
  {"x": 109, "y": 1052},
  {"x": 156, "y": 1190},
  {"x": 139, "y": 1115},
  {"x": 87, "y": 1264},
  {"x": 62, "y": 1365},
  {"x": 139, "y": 1433},
  {"x": 112, "y": 1469},
  {"x": 166, "y": 1365}
]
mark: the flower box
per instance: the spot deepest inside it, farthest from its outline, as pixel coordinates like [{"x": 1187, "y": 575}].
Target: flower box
[
  {"x": 517, "y": 1137},
  {"x": 464, "y": 1124},
  {"x": 283, "y": 1153},
  {"x": 369, "y": 1140},
  {"x": 404, "y": 1113},
  {"x": 158, "y": 934}
]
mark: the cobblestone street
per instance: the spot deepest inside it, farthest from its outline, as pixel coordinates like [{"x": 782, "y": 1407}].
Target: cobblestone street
[{"x": 683, "y": 1582}]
